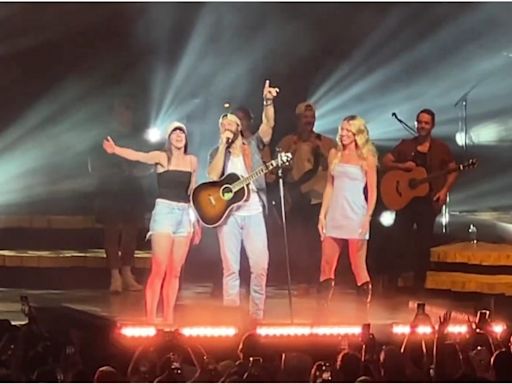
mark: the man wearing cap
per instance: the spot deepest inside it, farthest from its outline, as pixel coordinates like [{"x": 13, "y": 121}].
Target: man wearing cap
[
  {"x": 305, "y": 184},
  {"x": 245, "y": 224}
]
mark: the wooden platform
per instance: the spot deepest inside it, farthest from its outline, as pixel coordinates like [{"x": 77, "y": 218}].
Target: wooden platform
[
  {"x": 466, "y": 267},
  {"x": 88, "y": 258}
]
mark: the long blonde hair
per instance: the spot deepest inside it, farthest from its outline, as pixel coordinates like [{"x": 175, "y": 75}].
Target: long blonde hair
[{"x": 364, "y": 147}]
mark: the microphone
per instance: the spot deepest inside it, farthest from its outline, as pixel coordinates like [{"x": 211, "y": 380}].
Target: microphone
[
  {"x": 394, "y": 115},
  {"x": 229, "y": 140}
]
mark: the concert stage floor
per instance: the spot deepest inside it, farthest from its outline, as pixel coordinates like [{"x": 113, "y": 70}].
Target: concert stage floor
[{"x": 196, "y": 306}]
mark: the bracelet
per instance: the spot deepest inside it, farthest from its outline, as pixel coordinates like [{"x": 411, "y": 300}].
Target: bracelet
[{"x": 267, "y": 103}]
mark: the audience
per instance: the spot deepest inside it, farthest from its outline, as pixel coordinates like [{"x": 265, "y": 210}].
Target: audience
[{"x": 29, "y": 355}]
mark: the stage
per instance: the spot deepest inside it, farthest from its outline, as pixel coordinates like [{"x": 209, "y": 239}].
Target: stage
[{"x": 197, "y": 306}]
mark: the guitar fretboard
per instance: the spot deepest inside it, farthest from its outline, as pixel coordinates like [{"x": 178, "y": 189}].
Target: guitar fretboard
[{"x": 253, "y": 176}]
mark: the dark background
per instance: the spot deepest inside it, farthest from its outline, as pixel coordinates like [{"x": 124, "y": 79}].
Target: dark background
[{"x": 63, "y": 65}]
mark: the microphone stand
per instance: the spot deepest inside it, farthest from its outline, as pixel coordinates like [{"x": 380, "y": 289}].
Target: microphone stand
[
  {"x": 285, "y": 235},
  {"x": 463, "y": 114},
  {"x": 406, "y": 126},
  {"x": 463, "y": 128}
]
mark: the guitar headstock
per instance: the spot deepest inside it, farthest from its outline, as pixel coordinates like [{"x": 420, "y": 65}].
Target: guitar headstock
[
  {"x": 471, "y": 163},
  {"x": 284, "y": 158}
]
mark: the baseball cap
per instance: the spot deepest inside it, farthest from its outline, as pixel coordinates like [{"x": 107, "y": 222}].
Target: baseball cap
[
  {"x": 176, "y": 125},
  {"x": 231, "y": 117},
  {"x": 303, "y": 107}
]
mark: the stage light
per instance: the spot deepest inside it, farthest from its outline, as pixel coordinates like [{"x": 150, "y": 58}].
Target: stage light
[
  {"x": 457, "y": 328},
  {"x": 498, "y": 328},
  {"x": 335, "y": 330},
  {"x": 423, "y": 330},
  {"x": 153, "y": 135},
  {"x": 291, "y": 330},
  {"x": 460, "y": 139},
  {"x": 138, "y": 331},
  {"x": 227, "y": 105},
  {"x": 209, "y": 331},
  {"x": 387, "y": 218},
  {"x": 306, "y": 330},
  {"x": 401, "y": 329}
]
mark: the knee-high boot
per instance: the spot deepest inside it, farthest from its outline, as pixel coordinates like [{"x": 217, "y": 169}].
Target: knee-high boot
[
  {"x": 325, "y": 291},
  {"x": 364, "y": 292}
]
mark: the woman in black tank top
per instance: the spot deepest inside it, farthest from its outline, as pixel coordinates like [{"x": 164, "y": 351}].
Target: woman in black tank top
[{"x": 172, "y": 227}]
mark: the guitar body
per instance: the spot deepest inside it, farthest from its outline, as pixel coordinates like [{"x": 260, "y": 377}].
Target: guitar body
[
  {"x": 213, "y": 200},
  {"x": 397, "y": 187}
]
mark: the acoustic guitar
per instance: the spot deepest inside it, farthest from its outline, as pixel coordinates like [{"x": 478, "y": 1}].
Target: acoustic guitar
[
  {"x": 398, "y": 188},
  {"x": 213, "y": 200}
]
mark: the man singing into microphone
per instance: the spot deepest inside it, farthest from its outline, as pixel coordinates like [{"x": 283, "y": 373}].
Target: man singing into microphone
[{"x": 245, "y": 223}]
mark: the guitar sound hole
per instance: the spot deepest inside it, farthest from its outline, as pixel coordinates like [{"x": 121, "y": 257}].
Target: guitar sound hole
[
  {"x": 397, "y": 189},
  {"x": 413, "y": 183},
  {"x": 226, "y": 192}
]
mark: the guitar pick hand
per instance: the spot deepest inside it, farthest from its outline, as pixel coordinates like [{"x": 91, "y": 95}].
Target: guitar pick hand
[{"x": 441, "y": 197}]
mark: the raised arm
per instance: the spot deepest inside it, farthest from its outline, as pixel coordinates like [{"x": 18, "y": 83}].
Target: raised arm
[
  {"x": 153, "y": 157},
  {"x": 268, "y": 115}
]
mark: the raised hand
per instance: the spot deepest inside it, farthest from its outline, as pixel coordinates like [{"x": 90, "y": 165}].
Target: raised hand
[
  {"x": 444, "y": 322},
  {"x": 269, "y": 93},
  {"x": 109, "y": 146}
]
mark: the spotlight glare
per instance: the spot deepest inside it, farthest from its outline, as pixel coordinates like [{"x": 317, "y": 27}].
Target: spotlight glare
[
  {"x": 401, "y": 329},
  {"x": 387, "y": 218},
  {"x": 457, "y": 328},
  {"x": 153, "y": 135},
  {"x": 498, "y": 328},
  {"x": 460, "y": 138},
  {"x": 227, "y": 105},
  {"x": 423, "y": 329}
]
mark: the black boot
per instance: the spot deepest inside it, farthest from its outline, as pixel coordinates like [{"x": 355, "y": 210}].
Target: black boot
[
  {"x": 325, "y": 291},
  {"x": 364, "y": 291}
]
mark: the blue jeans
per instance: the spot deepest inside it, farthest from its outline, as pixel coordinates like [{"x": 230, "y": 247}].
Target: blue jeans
[
  {"x": 170, "y": 217},
  {"x": 251, "y": 231}
]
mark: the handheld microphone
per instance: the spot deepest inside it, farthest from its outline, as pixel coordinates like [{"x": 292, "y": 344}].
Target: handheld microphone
[{"x": 229, "y": 140}]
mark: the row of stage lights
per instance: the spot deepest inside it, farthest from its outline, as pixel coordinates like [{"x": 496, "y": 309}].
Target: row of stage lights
[{"x": 132, "y": 331}]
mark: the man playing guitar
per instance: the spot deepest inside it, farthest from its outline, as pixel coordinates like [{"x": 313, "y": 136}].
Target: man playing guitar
[
  {"x": 434, "y": 155},
  {"x": 245, "y": 224}
]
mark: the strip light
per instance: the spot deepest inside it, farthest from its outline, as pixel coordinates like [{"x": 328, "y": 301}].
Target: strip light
[
  {"x": 305, "y": 330},
  {"x": 209, "y": 331}
]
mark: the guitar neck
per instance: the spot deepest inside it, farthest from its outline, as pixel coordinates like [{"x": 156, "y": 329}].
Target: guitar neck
[
  {"x": 253, "y": 176},
  {"x": 438, "y": 174}
]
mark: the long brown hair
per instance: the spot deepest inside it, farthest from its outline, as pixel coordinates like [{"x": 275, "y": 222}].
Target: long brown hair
[{"x": 168, "y": 147}]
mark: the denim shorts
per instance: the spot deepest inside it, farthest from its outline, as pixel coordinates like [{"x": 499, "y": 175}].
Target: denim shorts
[{"x": 170, "y": 217}]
